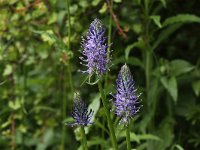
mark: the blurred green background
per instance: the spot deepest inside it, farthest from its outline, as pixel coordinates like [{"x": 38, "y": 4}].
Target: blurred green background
[{"x": 158, "y": 39}]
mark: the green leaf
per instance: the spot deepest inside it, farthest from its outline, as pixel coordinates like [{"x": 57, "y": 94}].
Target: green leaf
[
  {"x": 196, "y": 87},
  {"x": 156, "y": 20},
  {"x": 181, "y": 18},
  {"x": 95, "y": 2},
  {"x": 137, "y": 28},
  {"x": 52, "y": 18},
  {"x": 173, "y": 90},
  {"x": 133, "y": 136},
  {"x": 165, "y": 34},
  {"x": 148, "y": 137},
  {"x": 100, "y": 125},
  {"x": 46, "y": 140},
  {"x": 165, "y": 131},
  {"x": 132, "y": 61},
  {"x": 73, "y": 9},
  {"x": 103, "y": 8},
  {"x": 163, "y": 3},
  {"x": 177, "y": 147},
  {"x": 128, "y": 49},
  {"x": 117, "y": 1},
  {"x": 95, "y": 105},
  {"x": 97, "y": 141},
  {"x": 14, "y": 104},
  {"x": 8, "y": 70},
  {"x": 171, "y": 86},
  {"x": 46, "y": 36},
  {"x": 179, "y": 67}
]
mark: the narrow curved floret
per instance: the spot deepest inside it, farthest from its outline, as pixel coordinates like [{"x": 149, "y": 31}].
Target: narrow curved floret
[
  {"x": 80, "y": 113},
  {"x": 126, "y": 101},
  {"x": 95, "y": 49}
]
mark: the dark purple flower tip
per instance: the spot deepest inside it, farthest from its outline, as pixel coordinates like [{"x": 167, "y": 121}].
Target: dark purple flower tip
[
  {"x": 80, "y": 113},
  {"x": 126, "y": 101},
  {"x": 95, "y": 49}
]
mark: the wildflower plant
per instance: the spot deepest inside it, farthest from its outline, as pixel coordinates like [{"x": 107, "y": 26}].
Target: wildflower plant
[
  {"x": 126, "y": 100},
  {"x": 80, "y": 113},
  {"x": 81, "y": 116},
  {"x": 95, "y": 59},
  {"x": 95, "y": 49}
]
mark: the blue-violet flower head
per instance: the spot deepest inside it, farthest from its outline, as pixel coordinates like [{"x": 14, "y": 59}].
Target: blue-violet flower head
[
  {"x": 95, "y": 49},
  {"x": 80, "y": 113},
  {"x": 126, "y": 101}
]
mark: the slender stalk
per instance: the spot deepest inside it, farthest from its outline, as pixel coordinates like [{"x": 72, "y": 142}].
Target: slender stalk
[
  {"x": 109, "y": 41},
  {"x": 147, "y": 54},
  {"x": 64, "y": 108},
  {"x": 147, "y": 69},
  {"x": 69, "y": 48},
  {"x": 70, "y": 82},
  {"x": 110, "y": 125},
  {"x": 128, "y": 141},
  {"x": 68, "y": 23},
  {"x": 84, "y": 140},
  {"x": 146, "y": 35},
  {"x": 24, "y": 72},
  {"x": 13, "y": 131},
  {"x": 64, "y": 103},
  {"x": 108, "y": 57}
]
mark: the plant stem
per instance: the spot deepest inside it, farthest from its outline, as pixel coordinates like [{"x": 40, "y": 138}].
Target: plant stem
[
  {"x": 84, "y": 140},
  {"x": 147, "y": 56},
  {"x": 109, "y": 42},
  {"x": 69, "y": 49},
  {"x": 70, "y": 81},
  {"x": 64, "y": 78},
  {"x": 108, "y": 57},
  {"x": 69, "y": 24},
  {"x": 13, "y": 131},
  {"x": 147, "y": 69},
  {"x": 110, "y": 125},
  {"x": 64, "y": 109},
  {"x": 146, "y": 38},
  {"x": 128, "y": 142}
]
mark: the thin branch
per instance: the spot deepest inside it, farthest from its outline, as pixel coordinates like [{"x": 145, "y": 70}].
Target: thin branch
[
  {"x": 13, "y": 130},
  {"x": 121, "y": 32}
]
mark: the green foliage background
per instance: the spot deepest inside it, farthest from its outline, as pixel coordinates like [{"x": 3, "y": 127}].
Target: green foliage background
[{"x": 162, "y": 49}]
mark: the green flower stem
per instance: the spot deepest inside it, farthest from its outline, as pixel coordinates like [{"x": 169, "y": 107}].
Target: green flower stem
[
  {"x": 70, "y": 82},
  {"x": 66, "y": 71},
  {"x": 147, "y": 69},
  {"x": 128, "y": 142},
  {"x": 110, "y": 125},
  {"x": 63, "y": 108},
  {"x": 69, "y": 49},
  {"x": 109, "y": 42},
  {"x": 148, "y": 60},
  {"x": 84, "y": 140},
  {"x": 108, "y": 57}
]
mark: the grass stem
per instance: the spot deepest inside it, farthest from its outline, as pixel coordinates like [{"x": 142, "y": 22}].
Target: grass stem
[
  {"x": 128, "y": 141},
  {"x": 84, "y": 140},
  {"x": 110, "y": 124}
]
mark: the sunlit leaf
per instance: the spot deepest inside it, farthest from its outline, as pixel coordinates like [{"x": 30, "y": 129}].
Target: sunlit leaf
[
  {"x": 171, "y": 86},
  {"x": 179, "y": 67},
  {"x": 156, "y": 20},
  {"x": 181, "y": 18}
]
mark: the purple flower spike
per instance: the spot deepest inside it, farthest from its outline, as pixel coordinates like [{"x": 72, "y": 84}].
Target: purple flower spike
[
  {"x": 80, "y": 113},
  {"x": 95, "y": 49},
  {"x": 126, "y": 101}
]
